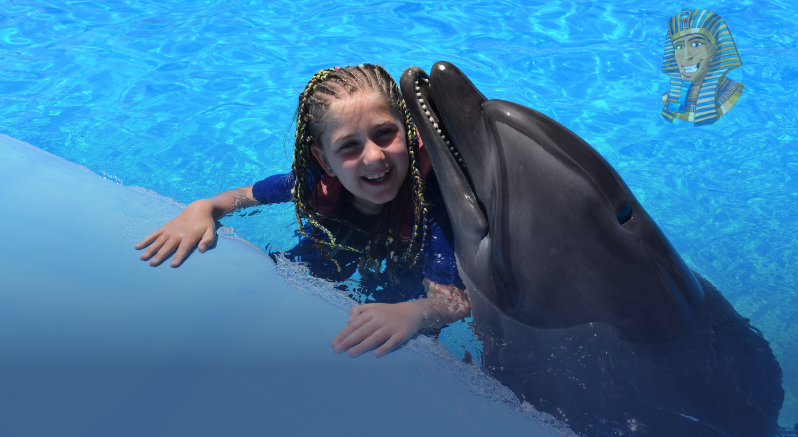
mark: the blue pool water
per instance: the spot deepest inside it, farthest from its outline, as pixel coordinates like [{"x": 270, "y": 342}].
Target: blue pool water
[{"x": 189, "y": 98}]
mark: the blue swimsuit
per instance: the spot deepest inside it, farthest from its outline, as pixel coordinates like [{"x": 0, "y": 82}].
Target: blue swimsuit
[{"x": 438, "y": 265}]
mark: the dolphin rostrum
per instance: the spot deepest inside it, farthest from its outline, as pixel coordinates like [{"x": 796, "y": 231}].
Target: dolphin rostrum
[{"x": 583, "y": 306}]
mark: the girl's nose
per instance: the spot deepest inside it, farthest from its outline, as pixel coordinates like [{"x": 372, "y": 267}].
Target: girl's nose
[{"x": 372, "y": 152}]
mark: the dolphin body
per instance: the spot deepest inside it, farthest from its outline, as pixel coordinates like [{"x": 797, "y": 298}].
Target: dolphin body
[{"x": 583, "y": 307}]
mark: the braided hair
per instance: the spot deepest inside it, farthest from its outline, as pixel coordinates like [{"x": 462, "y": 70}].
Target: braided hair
[{"x": 324, "y": 88}]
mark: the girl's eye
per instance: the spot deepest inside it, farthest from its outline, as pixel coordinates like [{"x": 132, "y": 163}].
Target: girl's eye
[{"x": 384, "y": 132}]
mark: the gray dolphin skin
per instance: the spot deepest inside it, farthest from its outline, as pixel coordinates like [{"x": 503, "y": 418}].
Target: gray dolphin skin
[
  {"x": 583, "y": 307},
  {"x": 554, "y": 203}
]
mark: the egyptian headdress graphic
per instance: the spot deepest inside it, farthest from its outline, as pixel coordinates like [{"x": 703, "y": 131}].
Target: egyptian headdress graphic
[{"x": 699, "y": 52}]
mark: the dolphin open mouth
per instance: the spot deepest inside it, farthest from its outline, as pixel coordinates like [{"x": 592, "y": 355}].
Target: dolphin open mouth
[{"x": 431, "y": 117}]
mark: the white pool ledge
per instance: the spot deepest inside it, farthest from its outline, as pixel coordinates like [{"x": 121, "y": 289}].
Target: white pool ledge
[{"x": 94, "y": 342}]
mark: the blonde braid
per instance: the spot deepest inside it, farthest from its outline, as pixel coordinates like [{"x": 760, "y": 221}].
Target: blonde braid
[{"x": 303, "y": 161}]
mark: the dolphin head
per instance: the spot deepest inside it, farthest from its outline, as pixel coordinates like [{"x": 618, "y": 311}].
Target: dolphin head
[{"x": 546, "y": 232}]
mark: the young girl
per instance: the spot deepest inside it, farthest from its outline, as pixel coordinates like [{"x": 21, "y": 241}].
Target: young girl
[{"x": 360, "y": 183}]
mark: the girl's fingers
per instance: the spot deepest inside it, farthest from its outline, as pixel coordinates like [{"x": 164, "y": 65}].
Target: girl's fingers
[
  {"x": 346, "y": 332},
  {"x": 352, "y": 313},
  {"x": 370, "y": 342},
  {"x": 354, "y": 332},
  {"x": 166, "y": 250},
  {"x": 358, "y": 309},
  {"x": 148, "y": 239},
  {"x": 154, "y": 248},
  {"x": 390, "y": 345},
  {"x": 182, "y": 250},
  {"x": 359, "y": 330},
  {"x": 207, "y": 239}
]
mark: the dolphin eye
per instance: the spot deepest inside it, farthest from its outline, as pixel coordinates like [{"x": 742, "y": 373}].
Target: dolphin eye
[{"x": 624, "y": 214}]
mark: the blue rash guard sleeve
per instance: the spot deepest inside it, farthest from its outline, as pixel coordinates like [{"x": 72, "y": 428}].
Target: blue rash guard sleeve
[
  {"x": 274, "y": 189},
  {"x": 277, "y": 188},
  {"x": 439, "y": 262}
]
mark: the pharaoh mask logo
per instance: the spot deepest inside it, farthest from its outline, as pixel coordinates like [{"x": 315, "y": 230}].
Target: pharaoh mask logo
[{"x": 699, "y": 52}]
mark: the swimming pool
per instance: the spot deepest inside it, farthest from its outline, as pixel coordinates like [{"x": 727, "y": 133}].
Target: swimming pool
[{"x": 191, "y": 98}]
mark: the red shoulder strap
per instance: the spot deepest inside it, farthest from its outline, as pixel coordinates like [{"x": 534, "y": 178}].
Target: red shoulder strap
[{"x": 328, "y": 189}]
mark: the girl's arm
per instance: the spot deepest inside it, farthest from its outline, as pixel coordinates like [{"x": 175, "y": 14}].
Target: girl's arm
[
  {"x": 195, "y": 224},
  {"x": 391, "y": 325}
]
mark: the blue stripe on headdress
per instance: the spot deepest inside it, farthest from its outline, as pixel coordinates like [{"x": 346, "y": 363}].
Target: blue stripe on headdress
[
  {"x": 703, "y": 16},
  {"x": 711, "y": 24}
]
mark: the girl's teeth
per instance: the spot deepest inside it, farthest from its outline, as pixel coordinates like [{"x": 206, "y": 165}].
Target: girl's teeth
[{"x": 377, "y": 176}]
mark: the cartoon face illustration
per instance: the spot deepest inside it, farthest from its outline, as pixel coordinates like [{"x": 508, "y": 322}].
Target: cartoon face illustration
[
  {"x": 699, "y": 52},
  {"x": 693, "y": 54}
]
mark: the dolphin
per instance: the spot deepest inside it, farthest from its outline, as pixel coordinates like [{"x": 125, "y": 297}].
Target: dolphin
[{"x": 583, "y": 307}]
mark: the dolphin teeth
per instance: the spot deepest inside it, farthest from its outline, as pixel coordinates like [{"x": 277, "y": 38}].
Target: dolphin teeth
[
  {"x": 443, "y": 137},
  {"x": 418, "y": 94},
  {"x": 424, "y": 107},
  {"x": 435, "y": 125},
  {"x": 457, "y": 154},
  {"x": 451, "y": 148},
  {"x": 460, "y": 159},
  {"x": 447, "y": 143},
  {"x": 439, "y": 131},
  {"x": 427, "y": 112}
]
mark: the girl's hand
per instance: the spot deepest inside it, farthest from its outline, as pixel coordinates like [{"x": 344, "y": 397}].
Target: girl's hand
[
  {"x": 391, "y": 325},
  {"x": 373, "y": 324},
  {"x": 193, "y": 225}
]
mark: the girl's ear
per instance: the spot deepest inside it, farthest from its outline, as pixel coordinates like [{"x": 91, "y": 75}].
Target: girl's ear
[{"x": 321, "y": 159}]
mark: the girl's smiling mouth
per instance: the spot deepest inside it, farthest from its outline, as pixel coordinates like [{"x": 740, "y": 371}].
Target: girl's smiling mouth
[{"x": 376, "y": 178}]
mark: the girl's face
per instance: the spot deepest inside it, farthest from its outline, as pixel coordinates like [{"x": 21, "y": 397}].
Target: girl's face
[{"x": 363, "y": 145}]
